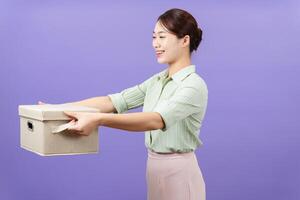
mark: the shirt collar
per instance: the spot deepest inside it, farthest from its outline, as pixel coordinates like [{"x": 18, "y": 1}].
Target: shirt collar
[{"x": 179, "y": 75}]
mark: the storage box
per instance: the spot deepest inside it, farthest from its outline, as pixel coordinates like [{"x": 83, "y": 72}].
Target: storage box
[{"x": 43, "y": 130}]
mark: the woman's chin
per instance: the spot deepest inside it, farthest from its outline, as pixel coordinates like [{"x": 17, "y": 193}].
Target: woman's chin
[{"x": 161, "y": 61}]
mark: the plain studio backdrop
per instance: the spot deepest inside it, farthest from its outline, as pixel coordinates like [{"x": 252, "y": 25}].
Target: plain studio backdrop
[{"x": 61, "y": 51}]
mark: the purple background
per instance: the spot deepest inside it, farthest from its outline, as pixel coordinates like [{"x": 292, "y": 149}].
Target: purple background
[{"x": 61, "y": 51}]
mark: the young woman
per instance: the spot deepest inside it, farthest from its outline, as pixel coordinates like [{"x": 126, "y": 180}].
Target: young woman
[{"x": 174, "y": 103}]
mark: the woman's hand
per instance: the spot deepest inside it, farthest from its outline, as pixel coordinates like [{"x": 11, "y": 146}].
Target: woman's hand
[
  {"x": 83, "y": 122},
  {"x": 41, "y": 103}
]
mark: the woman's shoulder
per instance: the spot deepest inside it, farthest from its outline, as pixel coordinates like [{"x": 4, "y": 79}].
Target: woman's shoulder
[{"x": 194, "y": 80}]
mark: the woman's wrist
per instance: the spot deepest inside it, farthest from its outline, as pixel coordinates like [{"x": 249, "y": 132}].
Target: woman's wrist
[{"x": 99, "y": 118}]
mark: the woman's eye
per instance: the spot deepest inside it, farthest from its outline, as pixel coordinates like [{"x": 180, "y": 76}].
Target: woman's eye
[{"x": 159, "y": 37}]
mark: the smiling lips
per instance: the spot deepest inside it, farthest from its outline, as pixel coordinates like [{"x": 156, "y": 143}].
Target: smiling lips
[{"x": 158, "y": 53}]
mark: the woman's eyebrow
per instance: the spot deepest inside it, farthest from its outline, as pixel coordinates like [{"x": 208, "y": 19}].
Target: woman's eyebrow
[{"x": 160, "y": 32}]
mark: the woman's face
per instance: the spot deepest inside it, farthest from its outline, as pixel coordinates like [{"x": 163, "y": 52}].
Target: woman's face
[{"x": 167, "y": 46}]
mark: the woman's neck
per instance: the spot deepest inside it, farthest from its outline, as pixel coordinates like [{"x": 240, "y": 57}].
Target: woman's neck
[{"x": 178, "y": 65}]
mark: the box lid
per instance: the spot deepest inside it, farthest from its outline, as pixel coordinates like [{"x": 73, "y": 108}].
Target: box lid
[{"x": 51, "y": 111}]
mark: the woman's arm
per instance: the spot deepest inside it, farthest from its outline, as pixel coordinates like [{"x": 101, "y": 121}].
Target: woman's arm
[
  {"x": 103, "y": 103},
  {"x": 83, "y": 123},
  {"x": 139, "y": 121}
]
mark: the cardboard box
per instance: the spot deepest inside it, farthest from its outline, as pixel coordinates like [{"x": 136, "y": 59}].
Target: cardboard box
[{"x": 43, "y": 130}]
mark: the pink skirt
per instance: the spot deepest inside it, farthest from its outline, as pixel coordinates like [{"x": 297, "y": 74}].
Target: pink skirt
[{"x": 175, "y": 176}]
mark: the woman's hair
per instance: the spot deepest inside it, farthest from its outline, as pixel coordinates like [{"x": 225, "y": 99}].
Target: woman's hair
[{"x": 182, "y": 23}]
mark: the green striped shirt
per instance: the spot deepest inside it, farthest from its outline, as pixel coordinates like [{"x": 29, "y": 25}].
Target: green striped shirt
[{"x": 181, "y": 101}]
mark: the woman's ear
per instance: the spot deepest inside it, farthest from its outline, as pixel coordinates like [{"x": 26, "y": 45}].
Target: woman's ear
[{"x": 186, "y": 41}]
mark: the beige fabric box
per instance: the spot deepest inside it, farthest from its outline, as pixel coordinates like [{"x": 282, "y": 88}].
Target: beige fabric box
[{"x": 43, "y": 130}]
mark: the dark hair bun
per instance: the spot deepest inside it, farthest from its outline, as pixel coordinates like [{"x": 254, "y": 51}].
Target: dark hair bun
[{"x": 196, "y": 39}]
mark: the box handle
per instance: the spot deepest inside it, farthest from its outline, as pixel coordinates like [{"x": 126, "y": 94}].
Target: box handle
[
  {"x": 61, "y": 128},
  {"x": 30, "y": 126}
]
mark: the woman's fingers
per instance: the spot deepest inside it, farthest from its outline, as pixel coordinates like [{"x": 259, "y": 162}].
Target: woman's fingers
[
  {"x": 75, "y": 127},
  {"x": 72, "y": 115},
  {"x": 41, "y": 103}
]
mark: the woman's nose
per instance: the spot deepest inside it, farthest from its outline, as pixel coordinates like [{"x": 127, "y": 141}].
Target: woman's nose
[{"x": 156, "y": 44}]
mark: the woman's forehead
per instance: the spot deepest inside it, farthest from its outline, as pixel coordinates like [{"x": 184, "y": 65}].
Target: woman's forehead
[{"x": 159, "y": 28}]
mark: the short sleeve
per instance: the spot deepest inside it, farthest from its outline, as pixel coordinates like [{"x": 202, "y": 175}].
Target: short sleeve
[
  {"x": 186, "y": 101},
  {"x": 130, "y": 98}
]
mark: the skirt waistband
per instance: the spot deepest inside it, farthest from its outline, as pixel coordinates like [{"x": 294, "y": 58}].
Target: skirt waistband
[{"x": 152, "y": 154}]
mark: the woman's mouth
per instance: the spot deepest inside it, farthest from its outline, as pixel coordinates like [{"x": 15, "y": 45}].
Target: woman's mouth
[{"x": 159, "y": 53}]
